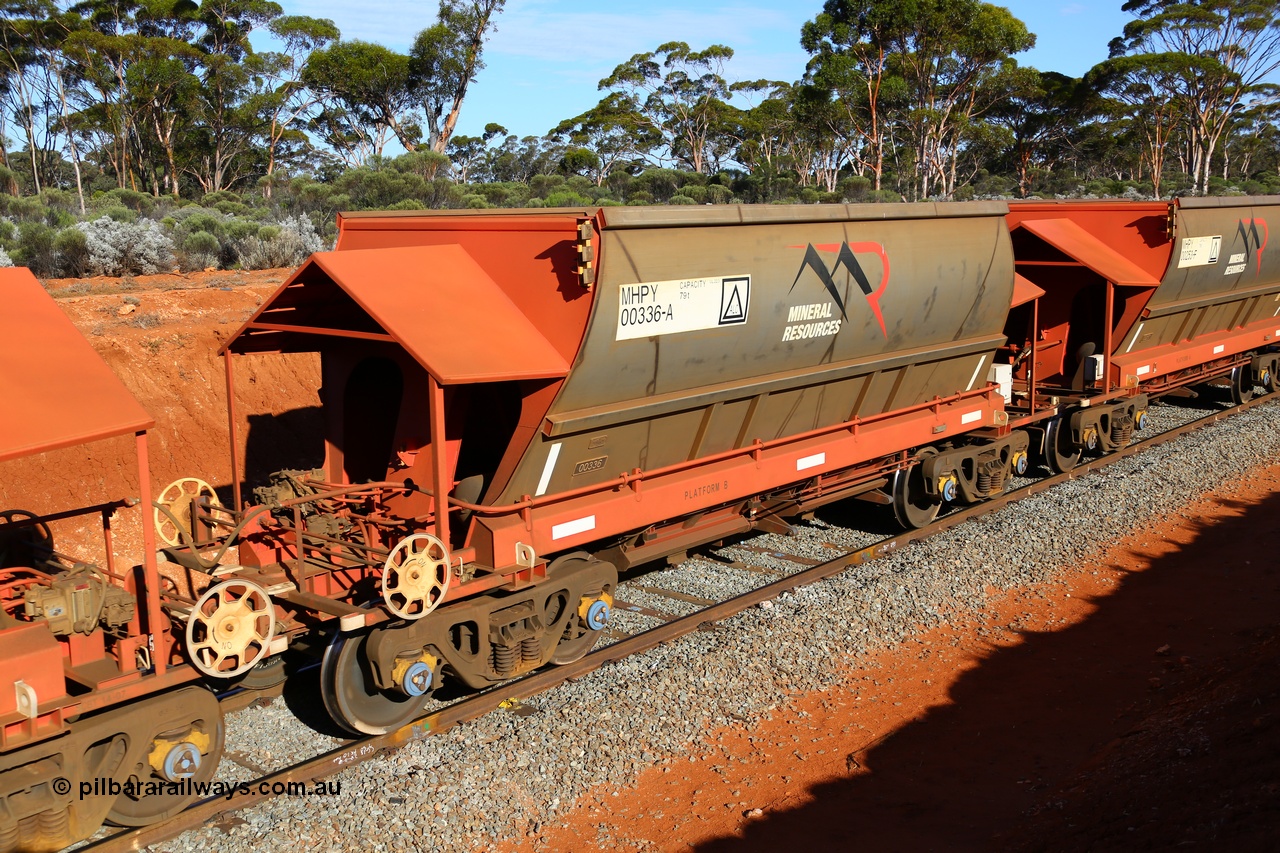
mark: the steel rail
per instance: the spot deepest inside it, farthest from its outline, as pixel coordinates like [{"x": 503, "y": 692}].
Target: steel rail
[{"x": 473, "y": 707}]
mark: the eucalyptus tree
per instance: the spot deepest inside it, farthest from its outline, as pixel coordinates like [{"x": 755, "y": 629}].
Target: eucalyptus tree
[
  {"x": 1211, "y": 58},
  {"x": 225, "y": 124},
  {"x": 766, "y": 129},
  {"x": 469, "y": 155},
  {"x": 1037, "y": 111},
  {"x": 852, "y": 43},
  {"x": 445, "y": 59},
  {"x": 614, "y": 131},
  {"x": 681, "y": 95},
  {"x": 31, "y": 94},
  {"x": 1140, "y": 88},
  {"x": 366, "y": 97},
  {"x": 950, "y": 54},
  {"x": 282, "y": 99}
]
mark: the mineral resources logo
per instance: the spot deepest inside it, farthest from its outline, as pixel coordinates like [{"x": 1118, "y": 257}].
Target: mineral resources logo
[
  {"x": 1253, "y": 241},
  {"x": 846, "y": 259}
]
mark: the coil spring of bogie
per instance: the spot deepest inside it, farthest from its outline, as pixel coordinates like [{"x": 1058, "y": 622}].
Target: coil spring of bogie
[
  {"x": 503, "y": 659},
  {"x": 990, "y": 479},
  {"x": 48, "y": 830},
  {"x": 530, "y": 649},
  {"x": 1121, "y": 431}
]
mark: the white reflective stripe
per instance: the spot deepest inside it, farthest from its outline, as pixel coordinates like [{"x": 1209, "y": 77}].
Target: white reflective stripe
[
  {"x": 811, "y": 461},
  {"x": 1137, "y": 334},
  {"x": 970, "y": 417},
  {"x": 569, "y": 528},
  {"x": 545, "y": 479},
  {"x": 1144, "y": 370},
  {"x": 1219, "y": 348},
  {"x": 976, "y": 371}
]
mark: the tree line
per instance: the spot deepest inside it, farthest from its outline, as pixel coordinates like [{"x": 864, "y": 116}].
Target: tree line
[{"x": 102, "y": 101}]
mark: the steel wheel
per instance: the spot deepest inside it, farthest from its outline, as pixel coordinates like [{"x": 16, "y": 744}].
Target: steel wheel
[
  {"x": 182, "y": 748},
  {"x": 265, "y": 674},
  {"x": 351, "y": 696},
  {"x": 27, "y": 545},
  {"x": 1241, "y": 384},
  {"x": 913, "y": 507},
  {"x": 578, "y": 639},
  {"x": 1060, "y": 452},
  {"x": 1269, "y": 381}
]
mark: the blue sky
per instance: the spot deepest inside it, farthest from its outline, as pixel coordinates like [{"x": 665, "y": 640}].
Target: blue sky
[{"x": 547, "y": 56}]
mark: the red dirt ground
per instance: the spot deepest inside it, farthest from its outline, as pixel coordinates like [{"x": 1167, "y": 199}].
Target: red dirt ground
[{"x": 1131, "y": 705}]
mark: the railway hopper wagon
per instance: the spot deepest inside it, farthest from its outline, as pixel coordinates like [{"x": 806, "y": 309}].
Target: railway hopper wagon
[
  {"x": 99, "y": 716},
  {"x": 1136, "y": 300},
  {"x": 520, "y": 404}
]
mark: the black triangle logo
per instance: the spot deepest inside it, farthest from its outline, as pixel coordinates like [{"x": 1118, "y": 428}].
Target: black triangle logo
[{"x": 732, "y": 310}]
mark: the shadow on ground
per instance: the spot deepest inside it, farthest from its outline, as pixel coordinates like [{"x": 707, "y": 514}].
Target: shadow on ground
[{"x": 1000, "y": 766}]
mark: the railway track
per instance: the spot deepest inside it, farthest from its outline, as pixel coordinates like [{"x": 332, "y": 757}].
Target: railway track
[{"x": 664, "y": 609}]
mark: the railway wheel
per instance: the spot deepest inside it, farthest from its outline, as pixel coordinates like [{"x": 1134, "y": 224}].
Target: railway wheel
[
  {"x": 1061, "y": 453},
  {"x": 265, "y": 674},
  {"x": 913, "y": 506},
  {"x": 186, "y": 744},
  {"x": 352, "y": 696},
  {"x": 1268, "y": 379},
  {"x": 26, "y": 545},
  {"x": 1241, "y": 384},
  {"x": 583, "y": 629}
]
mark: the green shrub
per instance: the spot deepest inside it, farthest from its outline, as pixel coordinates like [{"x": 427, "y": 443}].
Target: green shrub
[
  {"x": 72, "y": 252},
  {"x": 232, "y": 208},
  {"x": 544, "y": 185},
  {"x": 718, "y": 194},
  {"x": 200, "y": 250},
  {"x": 118, "y": 197},
  {"x": 681, "y": 199},
  {"x": 35, "y": 248},
  {"x": 882, "y": 196},
  {"x": 238, "y": 229},
  {"x": 567, "y": 198},
  {"x": 121, "y": 214},
  {"x": 207, "y": 222},
  {"x": 212, "y": 199}
]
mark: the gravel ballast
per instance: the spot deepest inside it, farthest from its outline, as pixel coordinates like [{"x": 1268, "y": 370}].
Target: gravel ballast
[{"x": 514, "y": 771}]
